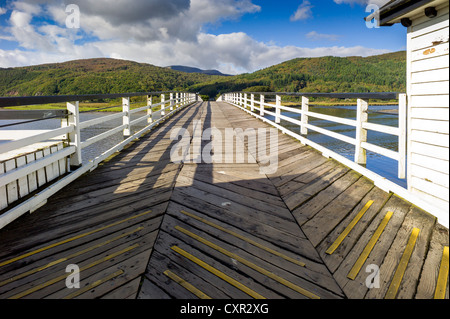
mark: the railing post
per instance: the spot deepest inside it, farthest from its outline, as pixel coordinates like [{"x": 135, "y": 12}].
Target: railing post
[
  {"x": 261, "y": 105},
  {"x": 252, "y": 102},
  {"x": 126, "y": 117},
  {"x": 163, "y": 105},
  {"x": 75, "y": 137},
  {"x": 402, "y": 137},
  {"x": 305, "y": 118},
  {"x": 362, "y": 116},
  {"x": 177, "y": 98},
  {"x": 245, "y": 100},
  {"x": 150, "y": 110},
  {"x": 171, "y": 102},
  {"x": 277, "y": 109}
]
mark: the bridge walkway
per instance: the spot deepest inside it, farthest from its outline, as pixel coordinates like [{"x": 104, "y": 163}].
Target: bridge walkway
[{"x": 142, "y": 226}]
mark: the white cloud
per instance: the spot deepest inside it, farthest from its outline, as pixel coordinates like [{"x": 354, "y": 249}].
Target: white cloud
[
  {"x": 303, "y": 12},
  {"x": 2, "y": 11},
  {"x": 179, "y": 38},
  {"x": 315, "y": 36},
  {"x": 379, "y": 3}
]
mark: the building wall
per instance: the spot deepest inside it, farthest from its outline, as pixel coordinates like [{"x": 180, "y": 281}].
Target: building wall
[{"x": 428, "y": 108}]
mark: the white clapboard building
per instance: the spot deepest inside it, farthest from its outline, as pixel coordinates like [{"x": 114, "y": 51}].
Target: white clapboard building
[{"x": 427, "y": 22}]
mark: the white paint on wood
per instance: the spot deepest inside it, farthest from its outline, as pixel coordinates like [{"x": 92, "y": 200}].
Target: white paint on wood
[
  {"x": 22, "y": 182},
  {"x": 430, "y": 175},
  {"x": 437, "y": 114},
  {"x": 431, "y": 162},
  {"x": 428, "y": 119},
  {"x": 430, "y": 76},
  {"x": 40, "y": 173},
  {"x": 434, "y": 126},
  {"x": 434, "y": 151},
  {"x": 425, "y": 101},
  {"x": 3, "y": 196},
  {"x": 11, "y": 188},
  {"x": 32, "y": 177},
  {"x": 362, "y": 116}
]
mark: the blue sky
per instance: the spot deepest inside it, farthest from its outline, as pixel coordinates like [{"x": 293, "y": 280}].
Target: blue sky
[{"x": 233, "y": 36}]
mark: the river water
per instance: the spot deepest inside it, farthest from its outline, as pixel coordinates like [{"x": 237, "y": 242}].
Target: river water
[{"x": 381, "y": 165}]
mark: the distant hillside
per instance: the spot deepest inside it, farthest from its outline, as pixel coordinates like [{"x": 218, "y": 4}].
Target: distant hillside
[
  {"x": 94, "y": 76},
  {"x": 188, "y": 69},
  {"x": 381, "y": 73}
]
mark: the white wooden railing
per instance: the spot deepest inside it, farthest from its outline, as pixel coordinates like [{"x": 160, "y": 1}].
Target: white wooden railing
[
  {"x": 70, "y": 133},
  {"x": 247, "y": 101}
]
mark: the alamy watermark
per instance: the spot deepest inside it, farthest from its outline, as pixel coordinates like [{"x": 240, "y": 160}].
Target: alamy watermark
[
  {"x": 73, "y": 279},
  {"x": 373, "y": 280},
  {"x": 374, "y": 11},
  {"x": 73, "y": 16}
]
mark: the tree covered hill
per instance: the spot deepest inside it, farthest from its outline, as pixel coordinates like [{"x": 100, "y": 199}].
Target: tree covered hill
[
  {"x": 94, "y": 76},
  {"x": 382, "y": 73}
]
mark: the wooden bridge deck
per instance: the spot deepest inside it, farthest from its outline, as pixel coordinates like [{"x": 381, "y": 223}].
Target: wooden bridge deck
[{"x": 143, "y": 227}]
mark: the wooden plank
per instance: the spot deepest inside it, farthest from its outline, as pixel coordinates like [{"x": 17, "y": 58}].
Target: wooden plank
[
  {"x": 430, "y": 273},
  {"x": 253, "y": 266},
  {"x": 310, "y": 208},
  {"x": 12, "y": 188},
  {"x": 437, "y": 114},
  {"x": 436, "y": 139},
  {"x": 330, "y": 216},
  {"x": 149, "y": 290},
  {"x": 127, "y": 291},
  {"x": 437, "y": 75},
  {"x": 259, "y": 226},
  {"x": 3, "y": 196},
  {"x": 357, "y": 289},
  {"x": 441, "y": 127},
  {"x": 316, "y": 173},
  {"x": 308, "y": 191},
  {"x": 429, "y": 39},
  {"x": 407, "y": 287},
  {"x": 216, "y": 273},
  {"x": 437, "y": 101},
  {"x": 32, "y": 178},
  {"x": 22, "y": 182},
  {"x": 430, "y": 64},
  {"x": 430, "y": 150},
  {"x": 40, "y": 174},
  {"x": 260, "y": 249},
  {"x": 401, "y": 269}
]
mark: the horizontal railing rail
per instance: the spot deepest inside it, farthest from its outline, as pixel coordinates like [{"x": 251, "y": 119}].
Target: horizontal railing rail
[
  {"x": 258, "y": 107},
  {"x": 70, "y": 132}
]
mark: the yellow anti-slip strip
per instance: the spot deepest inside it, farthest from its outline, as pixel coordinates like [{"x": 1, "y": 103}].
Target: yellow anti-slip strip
[
  {"x": 368, "y": 249},
  {"x": 186, "y": 285},
  {"x": 349, "y": 228},
  {"x": 70, "y": 240},
  {"x": 441, "y": 286},
  {"x": 248, "y": 240},
  {"x": 249, "y": 264},
  {"x": 63, "y": 277},
  {"x": 79, "y": 253},
  {"x": 218, "y": 273},
  {"x": 401, "y": 269}
]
